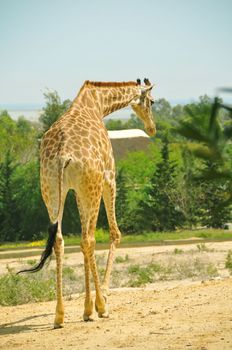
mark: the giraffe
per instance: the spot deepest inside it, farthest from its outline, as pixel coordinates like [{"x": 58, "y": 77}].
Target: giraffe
[{"x": 76, "y": 154}]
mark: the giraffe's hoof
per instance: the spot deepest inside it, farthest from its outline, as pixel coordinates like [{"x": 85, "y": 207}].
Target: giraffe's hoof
[
  {"x": 88, "y": 318},
  {"x": 103, "y": 312},
  {"x": 103, "y": 315},
  {"x": 58, "y": 325}
]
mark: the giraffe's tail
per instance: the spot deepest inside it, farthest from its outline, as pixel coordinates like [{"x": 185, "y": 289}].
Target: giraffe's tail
[
  {"x": 52, "y": 231},
  {"x": 47, "y": 251}
]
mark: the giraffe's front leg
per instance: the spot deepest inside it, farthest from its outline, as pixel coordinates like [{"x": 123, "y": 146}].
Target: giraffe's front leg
[
  {"x": 100, "y": 301},
  {"x": 109, "y": 194},
  {"x": 115, "y": 236},
  {"x": 88, "y": 307},
  {"x": 59, "y": 251}
]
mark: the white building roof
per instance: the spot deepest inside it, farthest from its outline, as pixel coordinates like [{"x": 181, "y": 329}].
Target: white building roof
[{"x": 126, "y": 134}]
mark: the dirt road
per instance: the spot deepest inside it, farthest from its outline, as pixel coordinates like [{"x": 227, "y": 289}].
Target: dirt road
[{"x": 192, "y": 316}]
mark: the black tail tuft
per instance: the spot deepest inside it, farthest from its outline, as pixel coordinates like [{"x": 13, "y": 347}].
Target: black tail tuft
[{"x": 48, "y": 250}]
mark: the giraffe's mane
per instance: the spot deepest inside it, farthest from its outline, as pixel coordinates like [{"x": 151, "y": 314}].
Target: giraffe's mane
[
  {"x": 110, "y": 84},
  {"x": 89, "y": 83}
]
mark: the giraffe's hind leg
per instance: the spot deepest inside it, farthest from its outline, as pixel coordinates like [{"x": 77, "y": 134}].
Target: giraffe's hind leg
[
  {"x": 109, "y": 195},
  {"x": 88, "y": 306},
  {"x": 59, "y": 252},
  {"x": 52, "y": 203},
  {"x": 88, "y": 203}
]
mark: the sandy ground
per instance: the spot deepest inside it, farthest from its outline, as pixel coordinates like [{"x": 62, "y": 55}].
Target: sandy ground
[
  {"x": 166, "y": 315},
  {"x": 195, "y": 316}
]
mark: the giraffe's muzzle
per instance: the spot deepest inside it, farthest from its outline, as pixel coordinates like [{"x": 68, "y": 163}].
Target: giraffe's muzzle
[{"x": 151, "y": 131}]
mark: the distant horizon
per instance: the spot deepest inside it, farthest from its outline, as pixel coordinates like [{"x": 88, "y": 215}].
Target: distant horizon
[
  {"x": 32, "y": 111},
  {"x": 39, "y": 106}
]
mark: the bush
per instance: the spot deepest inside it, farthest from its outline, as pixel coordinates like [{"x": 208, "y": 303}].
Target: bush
[{"x": 18, "y": 289}]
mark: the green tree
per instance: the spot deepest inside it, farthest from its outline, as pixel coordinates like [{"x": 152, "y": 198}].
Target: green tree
[
  {"x": 8, "y": 208},
  {"x": 177, "y": 112},
  {"x": 207, "y": 141},
  {"x": 162, "y": 109},
  {"x": 134, "y": 123},
  {"x": 114, "y": 124},
  {"x": 189, "y": 190},
  {"x": 54, "y": 109},
  {"x": 71, "y": 219},
  {"x": 32, "y": 215},
  {"x": 17, "y": 137},
  {"x": 215, "y": 201},
  {"x": 159, "y": 210},
  {"x": 121, "y": 200}
]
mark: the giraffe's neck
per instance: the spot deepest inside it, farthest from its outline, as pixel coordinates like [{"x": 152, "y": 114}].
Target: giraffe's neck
[{"x": 103, "y": 99}]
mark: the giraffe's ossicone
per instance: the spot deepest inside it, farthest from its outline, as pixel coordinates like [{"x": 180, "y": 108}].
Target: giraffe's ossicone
[{"x": 76, "y": 154}]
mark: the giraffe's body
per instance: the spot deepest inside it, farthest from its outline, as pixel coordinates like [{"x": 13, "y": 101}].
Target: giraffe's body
[{"x": 76, "y": 154}]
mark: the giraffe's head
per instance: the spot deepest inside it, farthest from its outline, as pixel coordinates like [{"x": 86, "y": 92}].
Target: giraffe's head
[{"x": 142, "y": 105}]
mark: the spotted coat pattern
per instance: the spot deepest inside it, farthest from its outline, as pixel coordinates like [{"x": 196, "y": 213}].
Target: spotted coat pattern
[{"x": 76, "y": 154}]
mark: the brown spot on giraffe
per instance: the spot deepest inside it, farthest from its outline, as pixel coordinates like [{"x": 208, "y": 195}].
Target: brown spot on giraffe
[{"x": 76, "y": 154}]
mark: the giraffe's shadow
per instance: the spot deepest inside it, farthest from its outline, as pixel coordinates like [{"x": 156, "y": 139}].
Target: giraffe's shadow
[{"x": 15, "y": 327}]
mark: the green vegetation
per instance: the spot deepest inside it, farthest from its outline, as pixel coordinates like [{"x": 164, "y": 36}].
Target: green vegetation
[
  {"x": 143, "y": 275},
  {"x": 54, "y": 109},
  {"x": 129, "y": 271},
  {"x": 158, "y": 201},
  {"x": 120, "y": 259},
  {"x": 22, "y": 289},
  {"x": 178, "y": 251},
  {"x": 181, "y": 182},
  {"x": 174, "y": 269},
  {"x": 16, "y": 289},
  {"x": 202, "y": 247},
  {"x": 194, "y": 269},
  {"x": 228, "y": 263},
  {"x": 146, "y": 237}
]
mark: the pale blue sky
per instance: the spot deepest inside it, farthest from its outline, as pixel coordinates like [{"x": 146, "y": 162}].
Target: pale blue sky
[{"x": 183, "y": 46}]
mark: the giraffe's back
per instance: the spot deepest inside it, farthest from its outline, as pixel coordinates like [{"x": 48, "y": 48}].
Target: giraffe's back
[{"x": 80, "y": 145}]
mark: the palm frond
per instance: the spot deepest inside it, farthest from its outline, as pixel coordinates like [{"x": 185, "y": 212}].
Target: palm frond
[
  {"x": 191, "y": 132},
  {"x": 228, "y": 132},
  {"x": 214, "y": 112},
  {"x": 214, "y": 175},
  {"x": 208, "y": 154},
  {"x": 225, "y": 90}
]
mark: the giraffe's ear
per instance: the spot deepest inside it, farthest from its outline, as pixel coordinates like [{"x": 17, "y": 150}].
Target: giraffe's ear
[
  {"x": 148, "y": 86},
  {"x": 147, "y": 82}
]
